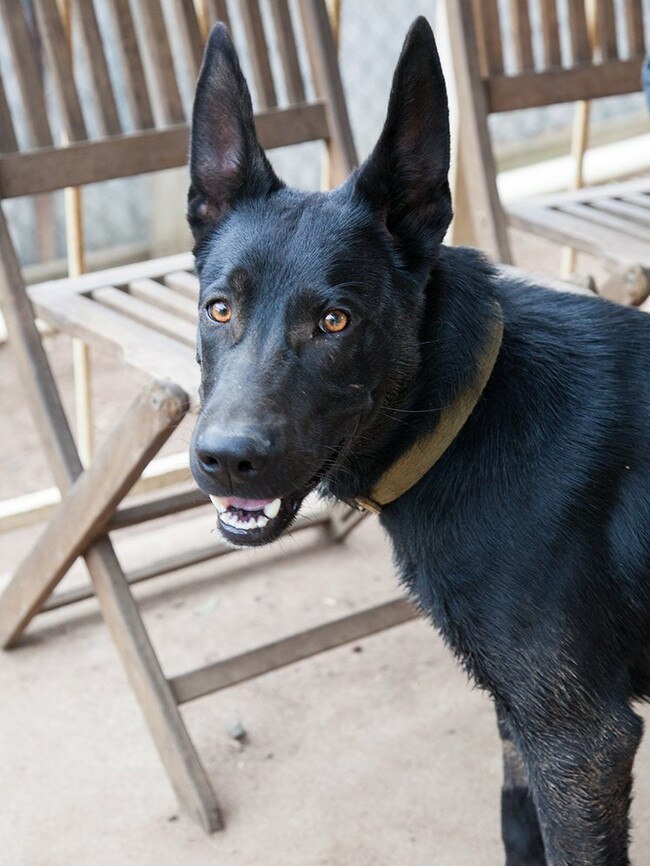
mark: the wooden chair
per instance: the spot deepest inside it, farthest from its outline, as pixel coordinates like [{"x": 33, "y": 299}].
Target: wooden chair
[
  {"x": 607, "y": 48},
  {"x": 112, "y": 309}
]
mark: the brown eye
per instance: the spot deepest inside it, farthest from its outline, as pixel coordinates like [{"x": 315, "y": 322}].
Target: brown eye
[
  {"x": 334, "y": 321},
  {"x": 219, "y": 311}
]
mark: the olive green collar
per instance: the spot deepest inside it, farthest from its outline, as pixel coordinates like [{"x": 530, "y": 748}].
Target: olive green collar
[{"x": 427, "y": 450}]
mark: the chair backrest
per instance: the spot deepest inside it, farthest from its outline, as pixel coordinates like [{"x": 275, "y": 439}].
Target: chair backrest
[
  {"x": 527, "y": 54},
  {"x": 123, "y": 106},
  {"x": 535, "y": 56}
]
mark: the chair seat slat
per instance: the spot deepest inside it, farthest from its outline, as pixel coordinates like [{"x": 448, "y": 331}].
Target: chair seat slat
[
  {"x": 133, "y": 308},
  {"x": 106, "y": 107},
  {"x": 627, "y": 209},
  {"x": 591, "y": 212},
  {"x": 183, "y": 282},
  {"x": 613, "y": 247},
  {"x": 160, "y": 297},
  {"x": 23, "y": 52},
  {"x": 150, "y": 352},
  {"x": 59, "y": 55}
]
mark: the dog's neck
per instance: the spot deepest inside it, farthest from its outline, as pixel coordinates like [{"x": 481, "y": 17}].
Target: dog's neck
[
  {"x": 424, "y": 453},
  {"x": 410, "y": 433}
]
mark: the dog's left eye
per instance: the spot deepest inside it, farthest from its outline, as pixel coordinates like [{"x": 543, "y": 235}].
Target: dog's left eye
[
  {"x": 334, "y": 321},
  {"x": 219, "y": 311}
]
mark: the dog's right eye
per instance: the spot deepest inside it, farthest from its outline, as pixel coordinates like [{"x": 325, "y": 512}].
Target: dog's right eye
[{"x": 219, "y": 311}]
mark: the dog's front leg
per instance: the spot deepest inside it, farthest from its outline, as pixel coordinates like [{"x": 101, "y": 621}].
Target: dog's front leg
[
  {"x": 580, "y": 774},
  {"x": 520, "y": 831}
]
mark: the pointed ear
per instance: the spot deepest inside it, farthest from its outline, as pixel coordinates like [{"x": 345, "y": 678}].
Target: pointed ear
[
  {"x": 405, "y": 177},
  {"x": 226, "y": 160}
]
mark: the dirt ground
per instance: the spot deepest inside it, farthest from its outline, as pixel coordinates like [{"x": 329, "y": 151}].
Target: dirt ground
[{"x": 375, "y": 754}]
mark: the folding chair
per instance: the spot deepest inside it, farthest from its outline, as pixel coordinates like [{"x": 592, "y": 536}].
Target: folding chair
[
  {"x": 499, "y": 69},
  {"x": 112, "y": 309}
]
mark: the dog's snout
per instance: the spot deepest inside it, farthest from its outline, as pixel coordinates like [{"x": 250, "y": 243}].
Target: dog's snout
[{"x": 238, "y": 458}]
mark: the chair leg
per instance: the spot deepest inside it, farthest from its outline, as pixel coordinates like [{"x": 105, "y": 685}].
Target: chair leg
[
  {"x": 152, "y": 689},
  {"x": 89, "y": 504}
]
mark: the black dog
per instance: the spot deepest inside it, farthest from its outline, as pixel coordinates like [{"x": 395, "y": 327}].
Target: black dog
[{"x": 502, "y": 429}]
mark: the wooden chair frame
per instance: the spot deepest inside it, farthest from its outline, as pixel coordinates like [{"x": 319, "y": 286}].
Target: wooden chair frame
[
  {"x": 600, "y": 65},
  {"x": 97, "y": 307}
]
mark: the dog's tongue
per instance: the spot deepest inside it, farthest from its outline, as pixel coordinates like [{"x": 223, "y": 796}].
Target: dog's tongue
[{"x": 246, "y": 504}]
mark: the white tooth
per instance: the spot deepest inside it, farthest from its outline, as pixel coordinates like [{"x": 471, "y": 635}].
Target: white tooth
[
  {"x": 261, "y": 521},
  {"x": 218, "y": 504},
  {"x": 228, "y": 518},
  {"x": 271, "y": 510}
]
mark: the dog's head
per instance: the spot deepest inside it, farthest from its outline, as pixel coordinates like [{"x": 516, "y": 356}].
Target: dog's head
[{"x": 310, "y": 303}]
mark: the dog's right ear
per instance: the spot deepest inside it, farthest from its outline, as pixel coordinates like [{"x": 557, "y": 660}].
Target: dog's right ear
[
  {"x": 227, "y": 162},
  {"x": 405, "y": 177}
]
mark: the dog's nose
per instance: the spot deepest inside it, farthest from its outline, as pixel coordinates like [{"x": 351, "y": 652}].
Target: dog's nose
[{"x": 237, "y": 458}]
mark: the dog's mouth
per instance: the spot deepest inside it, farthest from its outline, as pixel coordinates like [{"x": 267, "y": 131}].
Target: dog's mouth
[{"x": 253, "y": 522}]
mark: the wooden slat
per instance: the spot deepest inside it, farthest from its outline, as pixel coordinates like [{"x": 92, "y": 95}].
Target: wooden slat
[
  {"x": 288, "y": 50},
  {"x": 105, "y": 105},
  {"x": 640, "y": 199},
  {"x": 8, "y": 143},
  {"x": 491, "y": 33},
  {"x": 188, "y": 24},
  {"x": 141, "y": 347},
  {"x": 216, "y": 10},
  {"x": 221, "y": 675},
  {"x": 134, "y": 309},
  {"x": 160, "y": 297},
  {"x": 59, "y": 58},
  {"x": 631, "y": 211},
  {"x": 162, "y": 63},
  {"x": 624, "y": 227},
  {"x": 622, "y": 189},
  {"x": 476, "y": 166},
  {"x": 564, "y": 228},
  {"x": 533, "y": 89},
  {"x": 550, "y": 34},
  {"x": 578, "y": 33},
  {"x": 135, "y": 83},
  {"x": 184, "y": 282},
  {"x": 259, "y": 53},
  {"x": 634, "y": 26},
  {"x": 522, "y": 34},
  {"x": 137, "y": 153},
  {"x": 116, "y": 276},
  {"x": 27, "y": 72},
  {"x": 606, "y": 29},
  {"x": 327, "y": 82}
]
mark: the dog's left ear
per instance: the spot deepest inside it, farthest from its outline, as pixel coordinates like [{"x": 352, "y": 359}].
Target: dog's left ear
[
  {"x": 405, "y": 177},
  {"x": 227, "y": 162}
]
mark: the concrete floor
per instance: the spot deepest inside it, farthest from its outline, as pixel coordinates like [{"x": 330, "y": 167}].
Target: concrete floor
[{"x": 374, "y": 754}]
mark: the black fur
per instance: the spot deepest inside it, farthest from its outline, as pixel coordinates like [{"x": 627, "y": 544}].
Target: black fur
[{"x": 528, "y": 543}]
